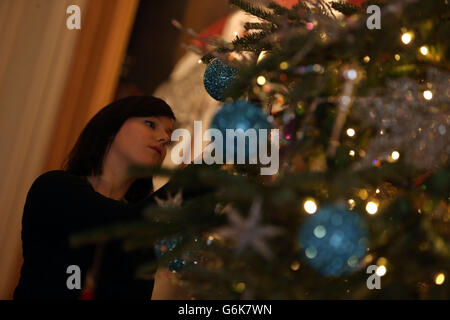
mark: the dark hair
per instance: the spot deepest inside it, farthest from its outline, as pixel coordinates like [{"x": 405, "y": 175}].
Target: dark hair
[{"x": 86, "y": 157}]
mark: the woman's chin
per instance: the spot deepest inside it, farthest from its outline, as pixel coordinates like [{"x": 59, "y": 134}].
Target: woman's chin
[
  {"x": 154, "y": 162},
  {"x": 149, "y": 163}
]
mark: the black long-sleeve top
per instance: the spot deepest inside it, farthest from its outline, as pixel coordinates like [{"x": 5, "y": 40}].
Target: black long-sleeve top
[{"x": 58, "y": 205}]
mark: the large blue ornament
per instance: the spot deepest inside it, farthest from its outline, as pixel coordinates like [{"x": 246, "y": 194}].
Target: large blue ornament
[
  {"x": 333, "y": 240},
  {"x": 240, "y": 115},
  {"x": 217, "y": 78}
]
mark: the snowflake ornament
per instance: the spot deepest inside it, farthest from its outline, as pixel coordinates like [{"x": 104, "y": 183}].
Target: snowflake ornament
[
  {"x": 248, "y": 233},
  {"x": 172, "y": 201}
]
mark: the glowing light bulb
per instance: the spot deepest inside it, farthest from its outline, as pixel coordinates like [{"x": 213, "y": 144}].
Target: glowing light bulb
[
  {"x": 284, "y": 65},
  {"x": 407, "y": 37},
  {"x": 439, "y": 279},
  {"x": 351, "y": 74},
  {"x": 352, "y": 153},
  {"x": 382, "y": 261},
  {"x": 261, "y": 80},
  {"x": 209, "y": 240},
  {"x": 240, "y": 287},
  {"x": 295, "y": 266},
  {"x": 367, "y": 259},
  {"x": 371, "y": 207},
  {"x": 310, "y": 206},
  {"x": 428, "y": 95},
  {"x": 395, "y": 155},
  {"x": 424, "y": 50},
  {"x": 351, "y": 204},
  {"x": 351, "y": 132},
  {"x": 381, "y": 271},
  {"x": 363, "y": 194},
  {"x": 366, "y": 59},
  {"x": 397, "y": 57}
]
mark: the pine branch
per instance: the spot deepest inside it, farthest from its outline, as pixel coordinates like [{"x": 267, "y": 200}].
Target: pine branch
[
  {"x": 283, "y": 11},
  {"x": 258, "y": 26},
  {"x": 301, "y": 6},
  {"x": 207, "y": 58},
  {"x": 280, "y": 10},
  {"x": 345, "y": 8},
  {"x": 247, "y": 7},
  {"x": 251, "y": 42}
]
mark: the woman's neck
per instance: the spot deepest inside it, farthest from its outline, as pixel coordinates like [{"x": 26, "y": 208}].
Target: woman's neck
[{"x": 114, "y": 186}]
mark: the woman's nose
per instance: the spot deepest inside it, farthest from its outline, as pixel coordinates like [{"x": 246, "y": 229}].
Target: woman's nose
[{"x": 164, "y": 137}]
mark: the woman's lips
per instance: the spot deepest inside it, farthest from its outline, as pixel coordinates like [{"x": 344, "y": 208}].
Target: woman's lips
[{"x": 156, "y": 149}]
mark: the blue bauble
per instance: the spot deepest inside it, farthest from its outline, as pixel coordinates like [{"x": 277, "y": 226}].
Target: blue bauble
[
  {"x": 240, "y": 115},
  {"x": 163, "y": 246},
  {"x": 334, "y": 240},
  {"x": 217, "y": 78},
  {"x": 176, "y": 264}
]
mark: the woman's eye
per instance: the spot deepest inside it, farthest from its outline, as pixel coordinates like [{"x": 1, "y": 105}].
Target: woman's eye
[{"x": 150, "y": 123}]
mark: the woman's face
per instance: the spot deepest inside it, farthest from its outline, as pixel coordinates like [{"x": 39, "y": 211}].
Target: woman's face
[{"x": 143, "y": 140}]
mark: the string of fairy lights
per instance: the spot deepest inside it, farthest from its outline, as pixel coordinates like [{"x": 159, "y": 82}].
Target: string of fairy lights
[
  {"x": 310, "y": 205},
  {"x": 370, "y": 198}
]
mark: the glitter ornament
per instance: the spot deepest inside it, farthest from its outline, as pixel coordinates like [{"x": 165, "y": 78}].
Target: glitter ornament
[
  {"x": 165, "y": 245},
  {"x": 240, "y": 115},
  {"x": 333, "y": 240},
  {"x": 217, "y": 78},
  {"x": 407, "y": 123},
  {"x": 176, "y": 264}
]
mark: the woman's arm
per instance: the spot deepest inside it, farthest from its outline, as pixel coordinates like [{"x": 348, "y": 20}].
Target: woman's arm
[
  {"x": 58, "y": 205},
  {"x": 71, "y": 203}
]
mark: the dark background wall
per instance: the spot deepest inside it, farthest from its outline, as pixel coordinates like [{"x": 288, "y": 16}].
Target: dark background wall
[{"x": 155, "y": 44}]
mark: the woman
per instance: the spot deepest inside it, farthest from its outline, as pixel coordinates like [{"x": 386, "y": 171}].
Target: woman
[{"x": 95, "y": 189}]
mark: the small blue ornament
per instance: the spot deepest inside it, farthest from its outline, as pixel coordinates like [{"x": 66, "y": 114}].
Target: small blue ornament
[
  {"x": 176, "y": 264},
  {"x": 240, "y": 115},
  {"x": 163, "y": 246},
  {"x": 333, "y": 240},
  {"x": 217, "y": 78}
]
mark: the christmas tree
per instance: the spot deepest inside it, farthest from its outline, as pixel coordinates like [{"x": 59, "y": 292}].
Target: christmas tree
[{"x": 359, "y": 206}]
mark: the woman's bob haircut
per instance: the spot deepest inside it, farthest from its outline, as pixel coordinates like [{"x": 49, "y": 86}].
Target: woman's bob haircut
[{"x": 86, "y": 157}]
